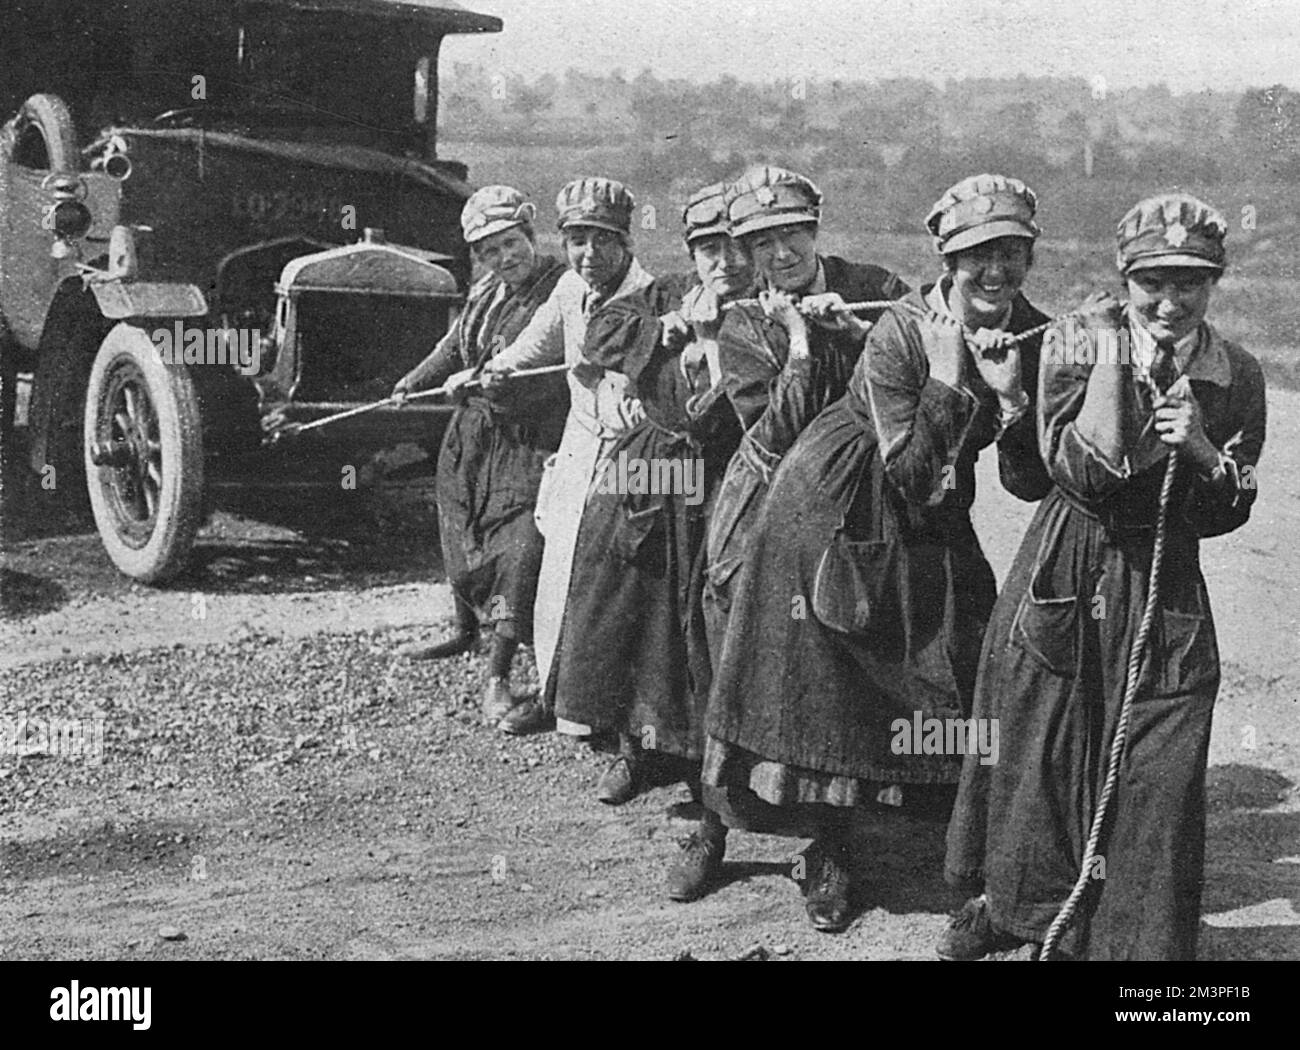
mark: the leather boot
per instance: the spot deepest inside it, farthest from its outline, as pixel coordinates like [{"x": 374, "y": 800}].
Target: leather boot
[
  {"x": 465, "y": 640},
  {"x": 826, "y": 885},
  {"x": 453, "y": 646},
  {"x": 700, "y": 863},
  {"x": 621, "y": 781},
  {"x": 497, "y": 700},
  {"x": 529, "y": 716}
]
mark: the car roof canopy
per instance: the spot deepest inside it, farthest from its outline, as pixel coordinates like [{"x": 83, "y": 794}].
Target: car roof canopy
[
  {"x": 450, "y": 16},
  {"x": 125, "y": 61}
]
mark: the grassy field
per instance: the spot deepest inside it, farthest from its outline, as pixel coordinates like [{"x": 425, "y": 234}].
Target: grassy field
[{"x": 1257, "y": 303}]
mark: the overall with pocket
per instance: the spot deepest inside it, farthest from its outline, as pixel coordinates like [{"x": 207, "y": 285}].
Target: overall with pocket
[
  {"x": 599, "y": 411},
  {"x": 490, "y": 461},
  {"x": 775, "y": 396},
  {"x": 637, "y": 660},
  {"x": 864, "y": 594},
  {"x": 1053, "y": 668}
]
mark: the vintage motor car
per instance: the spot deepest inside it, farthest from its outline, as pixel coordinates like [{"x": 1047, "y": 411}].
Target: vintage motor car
[{"x": 192, "y": 194}]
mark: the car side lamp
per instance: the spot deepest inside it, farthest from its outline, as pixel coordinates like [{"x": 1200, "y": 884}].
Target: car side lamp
[
  {"x": 115, "y": 160},
  {"x": 66, "y": 215}
]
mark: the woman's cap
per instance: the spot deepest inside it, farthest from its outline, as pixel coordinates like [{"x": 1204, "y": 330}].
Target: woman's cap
[
  {"x": 767, "y": 197},
  {"x": 982, "y": 208},
  {"x": 1171, "y": 229},
  {"x": 705, "y": 213},
  {"x": 493, "y": 209},
  {"x": 600, "y": 202}
]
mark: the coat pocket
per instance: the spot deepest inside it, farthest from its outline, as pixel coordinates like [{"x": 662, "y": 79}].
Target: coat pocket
[
  {"x": 1047, "y": 628},
  {"x": 853, "y": 589},
  {"x": 1188, "y": 653},
  {"x": 544, "y": 508},
  {"x": 732, "y": 517},
  {"x": 638, "y": 532},
  {"x": 718, "y": 577}
]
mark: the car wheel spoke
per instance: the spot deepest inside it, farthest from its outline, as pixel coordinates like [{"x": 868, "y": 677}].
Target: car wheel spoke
[{"x": 139, "y": 500}]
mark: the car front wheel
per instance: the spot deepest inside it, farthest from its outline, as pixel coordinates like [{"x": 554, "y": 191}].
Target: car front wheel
[
  {"x": 8, "y": 407},
  {"x": 144, "y": 456}
]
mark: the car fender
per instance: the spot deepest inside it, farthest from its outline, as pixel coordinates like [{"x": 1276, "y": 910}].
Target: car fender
[
  {"x": 70, "y": 336},
  {"x": 124, "y": 300}
]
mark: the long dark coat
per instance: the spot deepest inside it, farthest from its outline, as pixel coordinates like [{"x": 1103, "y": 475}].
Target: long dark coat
[
  {"x": 774, "y": 398},
  {"x": 1053, "y": 670},
  {"x": 800, "y": 712},
  {"x": 634, "y": 656},
  {"x": 490, "y": 462}
]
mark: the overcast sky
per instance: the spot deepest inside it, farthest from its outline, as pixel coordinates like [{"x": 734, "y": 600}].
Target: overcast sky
[{"x": 1188, "y": 44}]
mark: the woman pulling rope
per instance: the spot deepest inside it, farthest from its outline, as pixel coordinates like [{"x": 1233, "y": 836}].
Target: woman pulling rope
[{"x": 1053, "y": 670}]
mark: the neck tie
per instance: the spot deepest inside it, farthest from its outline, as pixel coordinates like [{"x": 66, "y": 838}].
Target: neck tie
[
  {"x": 1162, "y": 367},
  {"x": 591, "y": 302}
]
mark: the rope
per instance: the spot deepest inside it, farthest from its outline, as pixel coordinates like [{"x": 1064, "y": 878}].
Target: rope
[
  {"x": 1066, "y": 914},
  {"x": 294, "y": 429},
  {"x": 852, "y": 308},
  {"x": 884, "y": 304}
]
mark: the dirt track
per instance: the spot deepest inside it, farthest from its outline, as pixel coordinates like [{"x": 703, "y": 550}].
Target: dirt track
[{"x": 275, "y": 784}]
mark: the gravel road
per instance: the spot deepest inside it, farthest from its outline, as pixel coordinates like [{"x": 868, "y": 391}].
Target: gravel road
[{"x": 275, "y": 783}]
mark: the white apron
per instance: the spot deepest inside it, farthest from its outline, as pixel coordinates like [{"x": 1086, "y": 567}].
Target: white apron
[{"x": 599, "y": 411}]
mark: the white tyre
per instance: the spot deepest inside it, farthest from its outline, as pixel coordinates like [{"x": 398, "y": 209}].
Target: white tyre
[{"x": 144, "y": 456}]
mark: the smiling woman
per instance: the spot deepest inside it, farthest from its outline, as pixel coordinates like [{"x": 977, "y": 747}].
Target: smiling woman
[
  {"x": 490, "y": 463},
  {"x": 598, "y": 256},
  {"x": 595, "y": 215},
  {"x": 988, "y": 277},
  {"x": 1170, "y": 302},
  {"x": 787, "y": 255},
  {"x": 785, "y": 361},
  {"x": 510, "y": 254},
  {"x": 637, "y": 664}
]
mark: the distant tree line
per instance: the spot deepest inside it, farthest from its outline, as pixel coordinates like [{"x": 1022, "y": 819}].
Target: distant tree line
[{"x": 1041, "y": 126}]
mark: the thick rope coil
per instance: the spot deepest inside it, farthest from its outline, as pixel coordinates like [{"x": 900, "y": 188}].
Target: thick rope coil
[{"x": 1063, "y": 917}]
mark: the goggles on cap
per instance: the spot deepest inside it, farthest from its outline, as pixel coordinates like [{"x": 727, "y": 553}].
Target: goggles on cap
[{"x": 705, "y": 218}]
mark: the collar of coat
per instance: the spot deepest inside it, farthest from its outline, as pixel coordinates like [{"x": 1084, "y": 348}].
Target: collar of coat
[
  {"x": 818, "y": 286},
  {"x": 937, "y": 300},
  {"x": 1021, "y": 314},
  {"x": 634, "y": 280},
  {"x": 1200, "y": 355}
]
